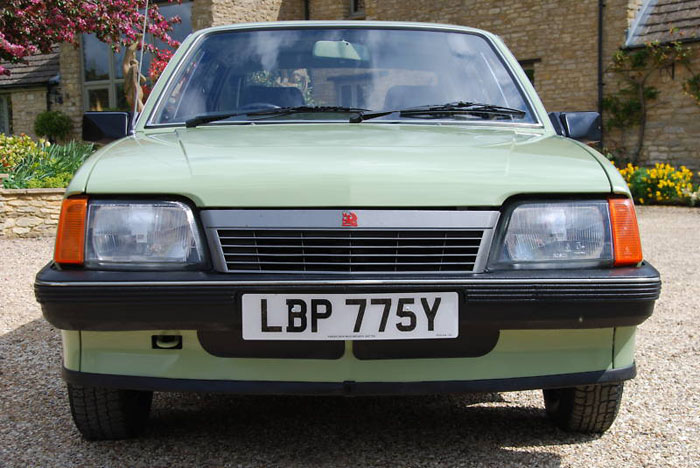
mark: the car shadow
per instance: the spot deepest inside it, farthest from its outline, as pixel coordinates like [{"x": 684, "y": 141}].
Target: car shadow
[{"x": 188, "y": 429}]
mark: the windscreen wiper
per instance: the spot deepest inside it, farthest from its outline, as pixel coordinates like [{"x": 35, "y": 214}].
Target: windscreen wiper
[
  {"x": 213, "y": 117},
  {"x": 450, "y": 108}
]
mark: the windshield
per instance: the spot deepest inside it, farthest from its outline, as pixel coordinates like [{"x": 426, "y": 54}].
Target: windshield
[{"x": 244, "y": 71}]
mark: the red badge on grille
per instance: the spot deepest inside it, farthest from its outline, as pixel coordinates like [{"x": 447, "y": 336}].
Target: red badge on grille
[{"x": 349, "y": 219}]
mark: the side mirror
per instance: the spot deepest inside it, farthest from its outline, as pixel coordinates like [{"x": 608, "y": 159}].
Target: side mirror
[
  {"x": 582, "y": 126},
  {"x": 103, "y": 127}
]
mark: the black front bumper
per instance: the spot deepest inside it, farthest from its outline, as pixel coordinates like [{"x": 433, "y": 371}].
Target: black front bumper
[
  {"x": 348, "y": 388},
  {"x": 205, "y": 301}
]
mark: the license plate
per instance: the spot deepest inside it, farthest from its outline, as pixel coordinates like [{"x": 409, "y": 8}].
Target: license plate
[{"x": 407, "y": 316}]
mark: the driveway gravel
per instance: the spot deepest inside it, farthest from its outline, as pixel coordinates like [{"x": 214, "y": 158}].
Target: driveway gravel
[{"x": 657, "y": 426}]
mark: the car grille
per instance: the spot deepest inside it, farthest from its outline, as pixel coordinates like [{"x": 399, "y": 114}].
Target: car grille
[{"x": 350, "y": 251}]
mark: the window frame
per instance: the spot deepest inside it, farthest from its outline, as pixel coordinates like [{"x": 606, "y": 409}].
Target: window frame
[
  {"x": 110, "y": 83},
  {"x": 6, "y": 111},
  {"x": 357, "y": 11},
  {"x": 529, "y": 66}
]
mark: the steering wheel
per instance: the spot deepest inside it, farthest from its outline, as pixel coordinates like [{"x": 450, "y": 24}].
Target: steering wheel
[{"x": 253, "y": 106}]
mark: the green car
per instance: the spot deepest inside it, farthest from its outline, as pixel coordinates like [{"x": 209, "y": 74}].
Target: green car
[{"x": 346, "y": 208}]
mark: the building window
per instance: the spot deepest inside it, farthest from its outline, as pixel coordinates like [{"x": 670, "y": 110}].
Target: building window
[
  {"x": 103, "y": 80},
  {"x": 357, "y": 8},
  {"x": 102, "y": 75},
  {"x": 5, "y": 114},
  {"x": 529, "y": 68}
]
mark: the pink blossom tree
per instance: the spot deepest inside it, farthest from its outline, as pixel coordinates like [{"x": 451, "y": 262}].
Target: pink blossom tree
[
  {"x": 30, "y": 27},
  {"x": 158, "y": 64}
]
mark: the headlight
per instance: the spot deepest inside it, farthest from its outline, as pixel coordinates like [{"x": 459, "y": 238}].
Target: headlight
[
  {"x": 142, "y": 234},
  {"x": 555, "y": 235}
]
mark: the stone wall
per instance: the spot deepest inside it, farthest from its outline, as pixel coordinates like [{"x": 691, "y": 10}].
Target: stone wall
[
  {"x": 206, "y": 13},
  {"x": 29, "y": 212},
  {"x": 673, "y": 121},
  {"x": 673, "y": 128},
  {"x": 70, "y": 88},
  {"x": 26, "y": 105},
  {"x": 329, "y": 10}
]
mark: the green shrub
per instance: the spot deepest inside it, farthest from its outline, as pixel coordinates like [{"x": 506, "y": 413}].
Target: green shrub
[
  {"x": 60, "y": 180},
  {"x": 661, "y": 184},
  {"x": 52, "y": 168},
  {"x": 54, "y": 125},
  {"x": 14, "y": 148}
]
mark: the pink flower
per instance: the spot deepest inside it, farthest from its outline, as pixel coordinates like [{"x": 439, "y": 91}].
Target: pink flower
[{"x": 34, "y": 26}]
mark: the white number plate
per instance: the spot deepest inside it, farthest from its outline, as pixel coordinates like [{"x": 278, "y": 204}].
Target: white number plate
[{"x": 403, "y": 316}]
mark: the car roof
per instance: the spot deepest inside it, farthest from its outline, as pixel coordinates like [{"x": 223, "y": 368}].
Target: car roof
[{"x": 344, "y": 24}]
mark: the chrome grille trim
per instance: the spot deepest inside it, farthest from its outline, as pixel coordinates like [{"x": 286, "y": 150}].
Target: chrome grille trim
[
  {"x": 320, "y": 219},
  {"x": 314, "y": 241}
]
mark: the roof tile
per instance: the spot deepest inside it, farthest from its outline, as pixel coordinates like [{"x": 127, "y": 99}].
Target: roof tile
[
  {"x": 667, "y": 20},
  {"x": 39, "y": 69}
]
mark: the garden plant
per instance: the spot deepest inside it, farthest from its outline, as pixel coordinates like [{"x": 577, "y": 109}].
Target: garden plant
[
  {"x": 39, "y": 164},
  {"x": 53, "y": 125},
  {"x": 661, "y": 184},
  {"x": 115, "y": 22}
]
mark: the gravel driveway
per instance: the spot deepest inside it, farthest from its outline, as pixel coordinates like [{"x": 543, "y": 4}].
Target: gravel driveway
[{"x": 657, "y": 426}]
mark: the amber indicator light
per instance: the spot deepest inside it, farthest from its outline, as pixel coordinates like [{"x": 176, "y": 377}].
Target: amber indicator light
[
  {"x": 625, "y": 231},
  {"x": 70, "y": 239}
]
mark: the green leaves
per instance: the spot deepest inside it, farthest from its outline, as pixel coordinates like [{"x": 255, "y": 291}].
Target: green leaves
[
  {"x": 661, "y": 184},
  {"x": 623, "y": 108},
  {"x": 14, "y": 148},
  {"x": 627, "y": 107},
  {"x": 54, "y": 125},
  {"x": 653, "y": 56},
  {"x": 691, "y": 87},
  {"x": 49, "y": 167}
]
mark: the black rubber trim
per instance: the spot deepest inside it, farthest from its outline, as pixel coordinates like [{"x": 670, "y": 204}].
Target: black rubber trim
[
  {"x": 211, "y": 301},
  {"x": 51, "y": 274},
  {"x": 230, "y": 344},
  {"x": 348, "y": 387},
  {"x": 472, "y": 342}
]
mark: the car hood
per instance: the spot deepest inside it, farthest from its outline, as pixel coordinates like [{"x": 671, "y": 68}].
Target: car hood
[{"x": 345, "y": 165}]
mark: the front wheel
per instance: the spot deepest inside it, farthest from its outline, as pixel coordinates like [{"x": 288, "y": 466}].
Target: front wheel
[
  {"x": 107, "y": 413},
  {"x": 587, "y": 409}
]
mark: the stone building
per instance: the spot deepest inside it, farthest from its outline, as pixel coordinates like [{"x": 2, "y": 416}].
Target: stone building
[
  {"x": 565, "y": 47},
  {"x": 673, "y": 128},
  {"x": 27, "y": 91}
]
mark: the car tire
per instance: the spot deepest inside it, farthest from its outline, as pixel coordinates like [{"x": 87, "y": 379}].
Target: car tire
[
  {"x": 107, "y": 413},
  {"x": 585, "y": 409}
]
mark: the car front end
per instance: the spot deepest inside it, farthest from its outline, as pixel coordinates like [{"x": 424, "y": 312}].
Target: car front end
[
  {"x": 250, "y": 321},
  {"x": 301, "y": 255}
]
